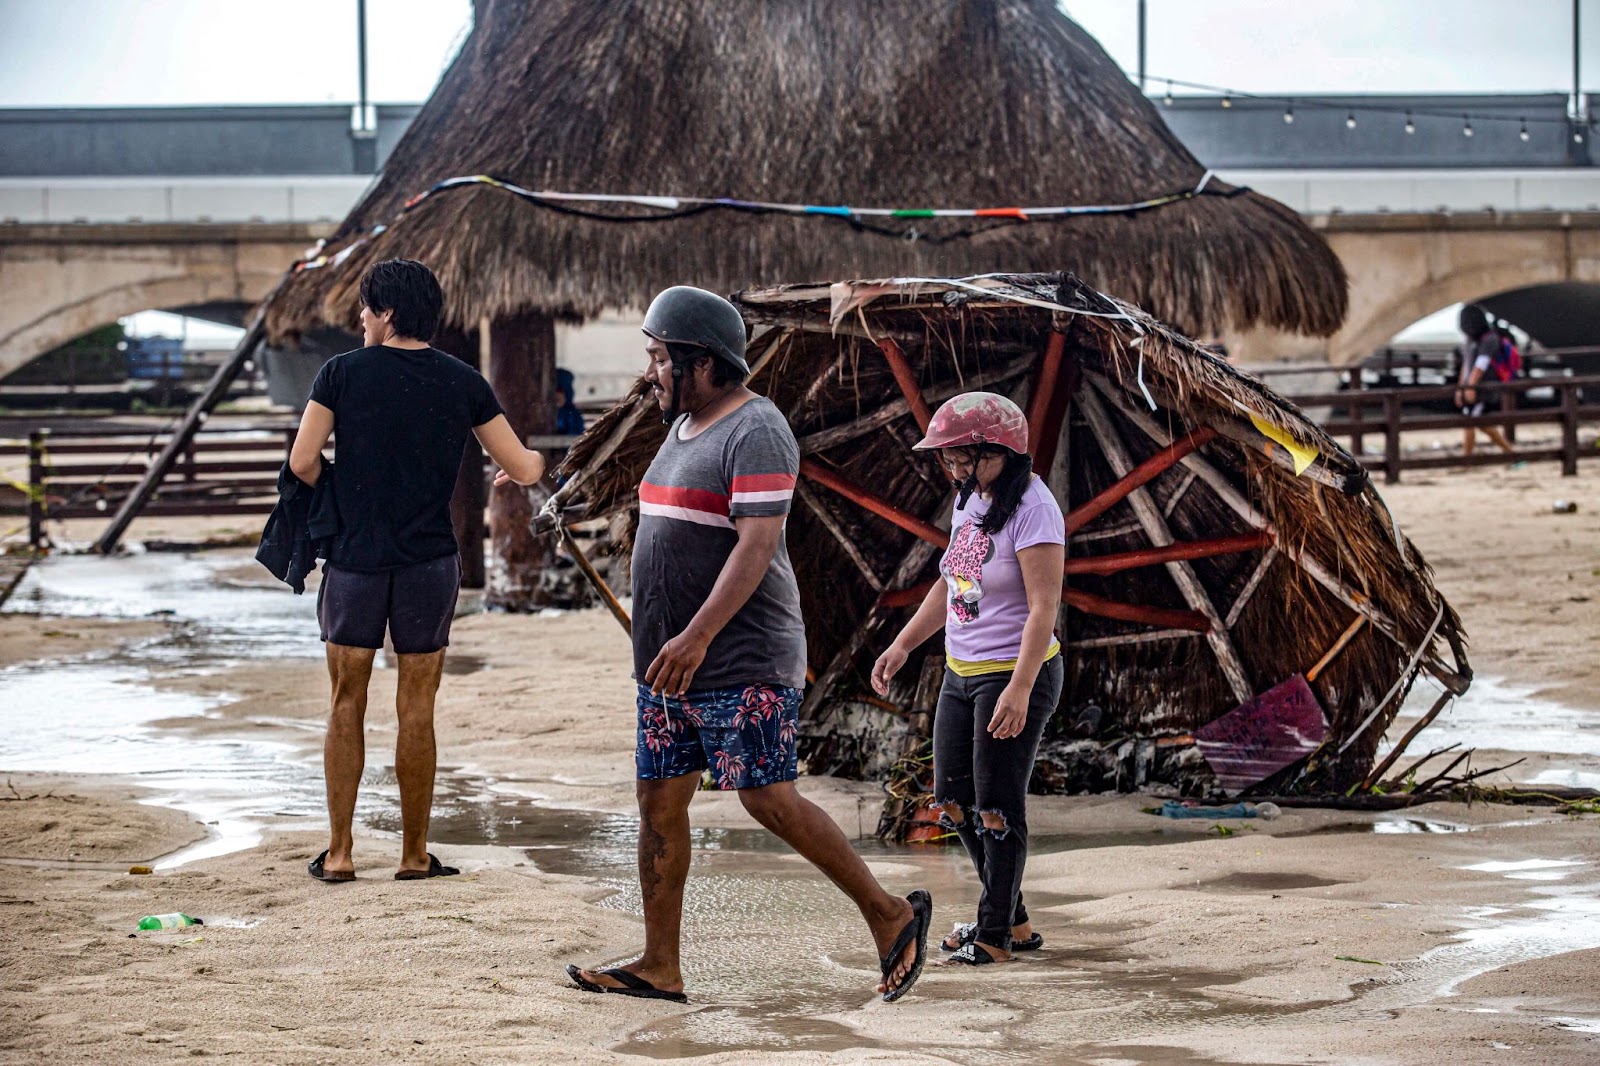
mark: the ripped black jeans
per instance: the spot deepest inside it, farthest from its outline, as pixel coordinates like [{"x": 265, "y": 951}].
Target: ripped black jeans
[{"x": 988, "y": 780}]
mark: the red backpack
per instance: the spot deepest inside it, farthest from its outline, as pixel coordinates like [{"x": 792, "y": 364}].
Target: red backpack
[{"x": 1508, "y": 363}]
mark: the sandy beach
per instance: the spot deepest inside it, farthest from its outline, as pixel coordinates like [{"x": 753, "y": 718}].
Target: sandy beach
[{"x": 1441, "y": 933}]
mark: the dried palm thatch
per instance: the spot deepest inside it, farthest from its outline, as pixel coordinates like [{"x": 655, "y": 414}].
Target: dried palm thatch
[
  {"x": 885, "y": 103},
  {"x": 1221, "y": 574}
]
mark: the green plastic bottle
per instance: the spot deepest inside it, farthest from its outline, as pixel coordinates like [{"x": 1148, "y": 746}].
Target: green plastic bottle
[{"x": 168, "y": 921}]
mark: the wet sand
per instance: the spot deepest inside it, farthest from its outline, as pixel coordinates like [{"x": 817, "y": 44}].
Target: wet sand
[{"x": 1469, "y": 935}]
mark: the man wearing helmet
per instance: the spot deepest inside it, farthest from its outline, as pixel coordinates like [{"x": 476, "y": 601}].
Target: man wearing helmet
[
  {"x": 719, "y": 644},
  {"x": 1003, "y": 670}
]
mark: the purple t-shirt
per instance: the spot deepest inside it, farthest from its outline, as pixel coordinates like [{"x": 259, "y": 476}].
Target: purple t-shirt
[{"x": 987, "y": 604}]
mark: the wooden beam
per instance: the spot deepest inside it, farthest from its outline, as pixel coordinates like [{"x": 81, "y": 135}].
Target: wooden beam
[
  {"x": 1142, "y": 474},
  {"x": 858, "y": 427},
  {"x": 597, "y": 582},
  {"x": 1177, "y": 550},
  {"x": 1160, "y": 535},
  {"x": 836, "y": 481},
  {"x": 1099, "y": 606},
  {"x": 1249, "y": 589},
  {"x": 1131, "y": 638},
  {"x": 907, "y": 381},
  {"x": 846, "y": 542},
  {"x": 1189, "y": 477},
  {"x": 1047, "y": 403}
]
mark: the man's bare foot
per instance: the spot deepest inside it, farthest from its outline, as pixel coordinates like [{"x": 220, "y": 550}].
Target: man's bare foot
[
  {"x": 886, "y": 930},
  {"x": 954, "y": 941},
  {"x": 996, "y": 954},
  {"x": 339, "y": 862},
  {"x": 664, "y": 978}
]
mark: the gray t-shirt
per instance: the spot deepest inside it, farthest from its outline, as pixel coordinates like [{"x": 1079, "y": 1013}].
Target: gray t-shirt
[{"x": 745, "y": 465}]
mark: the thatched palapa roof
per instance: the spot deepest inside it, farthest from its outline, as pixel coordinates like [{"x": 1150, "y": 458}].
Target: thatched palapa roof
[
  {"x": 1251, "y": 547},
  {"x": 870, "y": 103}
]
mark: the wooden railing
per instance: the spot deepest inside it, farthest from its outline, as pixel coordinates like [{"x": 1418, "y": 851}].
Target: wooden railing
[
  {"x": 1361, "y": 414},
  {"x": 229, "y": 470}
]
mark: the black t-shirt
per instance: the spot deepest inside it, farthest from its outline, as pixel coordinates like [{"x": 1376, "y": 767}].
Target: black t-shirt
[{"x": 400, "y": 420}]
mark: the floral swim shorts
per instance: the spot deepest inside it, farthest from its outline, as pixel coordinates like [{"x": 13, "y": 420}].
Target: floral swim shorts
[{"x": 745, "y": 735}]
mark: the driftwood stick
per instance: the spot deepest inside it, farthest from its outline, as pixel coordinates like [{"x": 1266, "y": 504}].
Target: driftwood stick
[
  {"x": 1160, "y": 534},
  {"x": 1435, "y": 753},
  {"x": 1422, "y": 789},
  {"x": 1411, "y": 734},
  {"x": 597, "y": 582},
  {"x": 1467, "y": 779},
  {"x": 846, "y": 542}
]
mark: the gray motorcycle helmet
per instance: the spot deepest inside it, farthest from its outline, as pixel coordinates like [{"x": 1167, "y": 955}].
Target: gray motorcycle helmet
[{"x": 684, "y": 314}]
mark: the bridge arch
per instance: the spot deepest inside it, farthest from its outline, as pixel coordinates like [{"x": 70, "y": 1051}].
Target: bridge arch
[{"x": 1397, "y": 278}]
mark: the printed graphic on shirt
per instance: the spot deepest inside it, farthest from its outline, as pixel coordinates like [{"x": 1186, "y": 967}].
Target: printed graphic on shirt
[{"x": 962, "y": 568}]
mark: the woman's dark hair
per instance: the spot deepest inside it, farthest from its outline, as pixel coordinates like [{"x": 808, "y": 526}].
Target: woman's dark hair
[
  {"x": 410, "y": 290},
  {"x": 1005, "y": 493}
]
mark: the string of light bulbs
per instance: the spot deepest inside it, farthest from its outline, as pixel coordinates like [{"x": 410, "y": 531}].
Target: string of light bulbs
[{"x": 1581, "y": 128}]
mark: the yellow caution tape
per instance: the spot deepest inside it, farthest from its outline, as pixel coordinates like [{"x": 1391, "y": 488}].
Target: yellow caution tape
[{"x": 1303, "y": 455}]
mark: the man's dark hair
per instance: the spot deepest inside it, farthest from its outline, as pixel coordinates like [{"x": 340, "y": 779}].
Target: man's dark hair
[{"x": 409, "y": 289}]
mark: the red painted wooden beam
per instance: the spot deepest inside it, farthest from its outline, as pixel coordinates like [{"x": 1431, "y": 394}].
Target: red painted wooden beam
[
  {"x": 907, "y": 381},
  {"x": 1181, "y": 550},
  {"x": 1145, "y": 472},
  {"x": 882, "y": 508},
  {"x": 1045, "y": 404},
  {"x": 1165, "y": 617}
]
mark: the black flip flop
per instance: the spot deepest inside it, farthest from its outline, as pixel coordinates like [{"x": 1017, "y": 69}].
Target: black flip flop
[
  {"x": 916, "y": 930},
  {"x": 435, "y": 869},
  {"x": 633, "y": 985},
  {"x": 967, "y": 932},
  {"x": 317, "y": 868}
]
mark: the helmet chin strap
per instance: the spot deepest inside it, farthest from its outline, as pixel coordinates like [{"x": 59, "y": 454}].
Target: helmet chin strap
[
  {"x": 965, "y": 489},
  {"x": 674, "y": 409}
]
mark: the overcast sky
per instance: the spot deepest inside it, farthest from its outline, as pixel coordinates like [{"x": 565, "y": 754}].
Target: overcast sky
[{"x": 57, "y": 53}]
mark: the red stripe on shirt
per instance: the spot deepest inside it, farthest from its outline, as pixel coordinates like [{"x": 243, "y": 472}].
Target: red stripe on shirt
[
  {"x": 694, "y": 499},
  {"x": 763, "y": 482}
]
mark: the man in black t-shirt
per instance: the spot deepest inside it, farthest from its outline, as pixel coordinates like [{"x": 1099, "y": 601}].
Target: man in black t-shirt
[{"x": 403, "y": 410}]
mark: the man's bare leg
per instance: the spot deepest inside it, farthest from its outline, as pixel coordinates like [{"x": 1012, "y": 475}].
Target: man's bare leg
[
  {"x": 415, "y": 758},
  {"x": 1470, "y": 443},
  {"x": 663, "y": 870},
  {"x": 806, "y": 828},
  {"x": 1498, "y": 435},
  {"x": 344, "y": 749}
]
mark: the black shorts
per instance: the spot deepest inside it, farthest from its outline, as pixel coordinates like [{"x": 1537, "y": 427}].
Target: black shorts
[{"x": 415, "y": 603}]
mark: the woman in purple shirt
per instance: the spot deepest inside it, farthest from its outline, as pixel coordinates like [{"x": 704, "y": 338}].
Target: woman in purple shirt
[{"x": 1003, "y": 668}]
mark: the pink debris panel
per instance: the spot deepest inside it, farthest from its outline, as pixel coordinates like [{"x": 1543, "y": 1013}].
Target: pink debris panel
[{"x": 1261, "y": 736}]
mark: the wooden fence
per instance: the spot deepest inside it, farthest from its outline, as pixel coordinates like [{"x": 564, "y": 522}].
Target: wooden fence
[
  {"x": 227, "y": 470},
  {"x": 1360, "y": 414}
]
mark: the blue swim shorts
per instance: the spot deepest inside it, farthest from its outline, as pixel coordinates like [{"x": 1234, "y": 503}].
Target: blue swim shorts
[{"x": 745, "y": 735}]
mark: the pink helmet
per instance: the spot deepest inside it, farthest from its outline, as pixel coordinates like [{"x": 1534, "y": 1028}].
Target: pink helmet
[{"x": 977, "y": 418}]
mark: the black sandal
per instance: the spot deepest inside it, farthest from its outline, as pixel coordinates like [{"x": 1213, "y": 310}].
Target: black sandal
[
  {"x": 435, "y": 869},
  {"x": 632, "y": 985},
  {"x": 317, "y": 868},
  {"x": 971, "y": 954},
  {"x": 967, "y": 932},
  {"x": 915, "y": 930}
]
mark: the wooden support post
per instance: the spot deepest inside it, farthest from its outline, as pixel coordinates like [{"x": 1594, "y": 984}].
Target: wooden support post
[
  {"x": 907, "y": 381},
  {"x": 1391, "y": 438},
  {"x": 1149, "y": 515},
  {"x": 192, "y": 419},
  {"x": 470, "y": 499},
  {"x": 1569, "y": 431},
  {"x": 882, "y": 508},
  {"x": 1357, "y": 436},
  {"x": 36, "y": 489},
  {"x": 522, "y": 369},
  {"x": 831, "y": 524},
  {"x": 1047, "y": 405},
  {"x": 1142, "y": 474}
]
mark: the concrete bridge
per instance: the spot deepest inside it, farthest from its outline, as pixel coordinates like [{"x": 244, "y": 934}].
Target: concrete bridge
[{"x": 105, "y": 213}]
